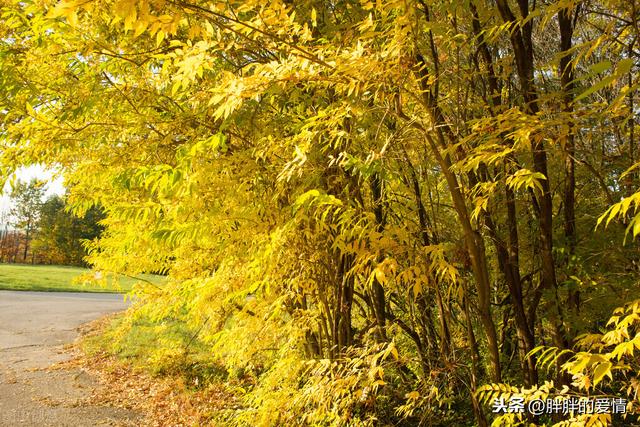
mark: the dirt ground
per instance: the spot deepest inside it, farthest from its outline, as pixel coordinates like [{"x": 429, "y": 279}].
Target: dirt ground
[{"x": 35, "y": 330}]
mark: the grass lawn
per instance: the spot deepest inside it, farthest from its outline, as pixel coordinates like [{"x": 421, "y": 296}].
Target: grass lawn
[{"x": 21, "y": 277}]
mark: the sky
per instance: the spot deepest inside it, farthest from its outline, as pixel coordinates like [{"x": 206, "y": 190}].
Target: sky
[{"x": 54, "y": 186}]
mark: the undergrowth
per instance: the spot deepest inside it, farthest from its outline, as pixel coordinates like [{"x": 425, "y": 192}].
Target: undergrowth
[{"x": 161, "y": 370}]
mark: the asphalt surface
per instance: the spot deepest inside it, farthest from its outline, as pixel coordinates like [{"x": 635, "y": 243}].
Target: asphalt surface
[{"x": 34, "y": 328}]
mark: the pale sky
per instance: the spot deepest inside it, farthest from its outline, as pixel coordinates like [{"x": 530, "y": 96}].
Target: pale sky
[{"x": 54, "y": 186}]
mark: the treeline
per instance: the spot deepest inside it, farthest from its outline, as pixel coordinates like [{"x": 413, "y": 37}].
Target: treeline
[
  {"x": 45, "y": 232},
  {"x": 370, "y": 212}
]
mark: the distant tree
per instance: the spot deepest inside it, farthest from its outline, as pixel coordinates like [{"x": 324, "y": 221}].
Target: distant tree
[
  {"x": 27, "y": 201},
  {"x": 60, "y": 234}
]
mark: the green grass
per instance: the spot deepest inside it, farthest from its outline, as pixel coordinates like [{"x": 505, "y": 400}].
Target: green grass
[
  {"x": 21, "y": 277},
  {"x": 160, "y": 348}
]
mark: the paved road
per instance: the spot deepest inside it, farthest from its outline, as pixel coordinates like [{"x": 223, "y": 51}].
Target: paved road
[{"x": 34, "y": 327}]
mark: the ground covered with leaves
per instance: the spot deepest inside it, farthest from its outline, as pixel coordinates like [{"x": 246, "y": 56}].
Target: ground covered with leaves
[{"x": 163, "y": 399}]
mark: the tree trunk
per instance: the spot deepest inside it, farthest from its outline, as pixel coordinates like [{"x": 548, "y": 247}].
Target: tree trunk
[{"x": 378, "y": 297}]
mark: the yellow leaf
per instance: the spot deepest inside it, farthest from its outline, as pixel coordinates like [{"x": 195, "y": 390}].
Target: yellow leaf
[
  {"x": 600, "y": 371},
  {"x": 414, "y": 395},
  {"x": 417, "y": 288},
  {"x": 394, "y": 352},
  {"x": 159, "y": 38},
  {"x": 175, "y": 87},
  {"x": 140, "y": 27},
  {"x": 72, "y": 18},
  {"x": 380, "y": 276}
]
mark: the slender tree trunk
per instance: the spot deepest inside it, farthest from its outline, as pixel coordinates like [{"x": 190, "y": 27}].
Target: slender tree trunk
[
  {"x": 508, "y": 263},
  {"x": 565, "y": 23},
  {"x": 378, "y": 297},
  {"x": 477, "y": 254},
  {"x": 475, "y": 362},
  {"x": 508, "y": 256},
  {"x": 445, "y": 335},
  {"x": 521, "y": 41},
  {"x": 474, "y": 242},
  {"x": 632, "y": 119},
  {"x": 26, "y": 245}
]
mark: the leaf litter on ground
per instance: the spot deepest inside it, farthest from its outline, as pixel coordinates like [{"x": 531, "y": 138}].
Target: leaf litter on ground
[{"x": 161, "y": 401}]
